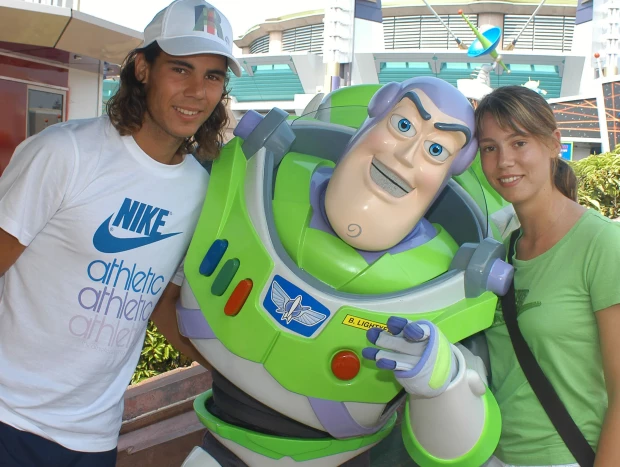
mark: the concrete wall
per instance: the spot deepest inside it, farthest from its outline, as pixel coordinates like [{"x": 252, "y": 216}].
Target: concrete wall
[
  {"x": 310, "y": 70},
  {"x": 85, "y": 94},
  {"x": 368, "y": 38},
  {"x": 583, "y": 45},
  {"x": 275, "y": 42}
]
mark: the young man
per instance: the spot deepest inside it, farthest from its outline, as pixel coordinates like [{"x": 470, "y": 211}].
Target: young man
[{"x": 95, "y": 218}]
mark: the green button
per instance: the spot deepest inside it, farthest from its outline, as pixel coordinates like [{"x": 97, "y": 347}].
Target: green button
[{"x": 225, "y": 277}]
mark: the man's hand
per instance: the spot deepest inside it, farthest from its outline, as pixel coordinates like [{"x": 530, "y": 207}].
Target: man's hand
[{"x": 417, "y": 351}]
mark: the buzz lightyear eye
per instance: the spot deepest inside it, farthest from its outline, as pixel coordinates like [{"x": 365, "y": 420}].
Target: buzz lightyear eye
[
  {"x": 436, "y": 151},
  {"x": 403, "y": 125}
]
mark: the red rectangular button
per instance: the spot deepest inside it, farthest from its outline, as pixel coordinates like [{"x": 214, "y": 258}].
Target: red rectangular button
[{"x": 238, "y": 297}]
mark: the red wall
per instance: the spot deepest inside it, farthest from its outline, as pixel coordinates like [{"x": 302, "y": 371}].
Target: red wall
[
  {"x": 32, "y": 71},
  {"x": 54, "y": 55},
  {"x": 14, "y": 98},
  {"x": 12, "y": 118}
]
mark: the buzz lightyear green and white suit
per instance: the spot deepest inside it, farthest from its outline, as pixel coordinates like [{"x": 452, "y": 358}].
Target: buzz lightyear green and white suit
[{"x": 285, "y": 275}]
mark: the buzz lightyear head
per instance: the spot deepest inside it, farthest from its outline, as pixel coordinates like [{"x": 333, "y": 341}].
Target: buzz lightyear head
[{"x": 417, "y": 135}]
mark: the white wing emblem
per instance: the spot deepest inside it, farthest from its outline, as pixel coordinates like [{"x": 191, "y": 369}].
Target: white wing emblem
[{"x": 292, "y": 309}]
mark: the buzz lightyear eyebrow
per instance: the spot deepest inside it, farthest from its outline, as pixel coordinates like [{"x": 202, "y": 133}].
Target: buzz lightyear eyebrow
[
  {"x": 413, "y": 97},
  {"x": 455, "y": 127}
]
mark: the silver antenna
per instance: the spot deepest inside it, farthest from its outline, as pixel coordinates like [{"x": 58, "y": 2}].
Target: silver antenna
[
  {"x": 460, "y": 43},
  {"x": 512, "y": 44}
]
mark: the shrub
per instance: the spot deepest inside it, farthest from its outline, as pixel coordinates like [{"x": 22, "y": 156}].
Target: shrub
[
  {"x": 157, "y": 356},
  {"x": 599, "y": 182}
]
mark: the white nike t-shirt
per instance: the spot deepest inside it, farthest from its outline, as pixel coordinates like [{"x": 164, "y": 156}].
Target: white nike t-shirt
[{"x": 106, "y": 227}]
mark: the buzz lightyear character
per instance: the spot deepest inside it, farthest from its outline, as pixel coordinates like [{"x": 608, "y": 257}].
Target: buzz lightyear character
[
  {"x": 311, "y": 234},
  {"x": 365, "y": 217}
]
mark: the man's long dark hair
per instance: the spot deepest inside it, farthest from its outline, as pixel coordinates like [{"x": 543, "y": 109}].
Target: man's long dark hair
[{"x": 127, "y": 107}]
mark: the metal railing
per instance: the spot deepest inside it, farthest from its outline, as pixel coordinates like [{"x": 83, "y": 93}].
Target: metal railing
[{"x": 60, "y": 3}]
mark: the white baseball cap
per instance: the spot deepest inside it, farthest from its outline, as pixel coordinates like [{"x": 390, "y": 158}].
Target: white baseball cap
[{"x": 191, "y": 27}]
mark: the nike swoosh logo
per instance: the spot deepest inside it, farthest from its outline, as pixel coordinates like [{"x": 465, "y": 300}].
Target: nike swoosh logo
[{"x": 105, "y": 242}]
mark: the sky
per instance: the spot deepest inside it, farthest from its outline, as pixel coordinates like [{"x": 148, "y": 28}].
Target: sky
[{"x": 242, "y": 14}]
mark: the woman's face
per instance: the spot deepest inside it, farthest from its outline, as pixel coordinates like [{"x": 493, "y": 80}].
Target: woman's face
[{"x": 517, "y": 165}]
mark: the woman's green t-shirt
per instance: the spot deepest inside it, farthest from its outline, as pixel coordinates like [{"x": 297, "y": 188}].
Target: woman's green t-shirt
[{"x": 557, "y": 295}]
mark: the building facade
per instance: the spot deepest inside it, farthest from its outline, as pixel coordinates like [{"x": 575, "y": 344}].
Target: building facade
[
  {"x": 283, "y": 62},
  {"x": 58, "y": 71},
  {"x": 410, "y": 41},
  {"x": 53, "y": 60}
]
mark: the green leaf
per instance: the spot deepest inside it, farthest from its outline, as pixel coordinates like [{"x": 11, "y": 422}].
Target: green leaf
[
  {"x": 599, "y": 182},
  {"x": 157, "y": 356}
]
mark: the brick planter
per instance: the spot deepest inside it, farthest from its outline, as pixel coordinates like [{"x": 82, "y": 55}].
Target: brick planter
[{"x": 160, "y": 427}]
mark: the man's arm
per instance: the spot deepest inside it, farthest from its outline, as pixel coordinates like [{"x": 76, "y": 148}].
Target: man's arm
[
  {"x": 165, "y": 318},
  {"x": 10, "y": 249},
  {"x": 32, "y": 189}
]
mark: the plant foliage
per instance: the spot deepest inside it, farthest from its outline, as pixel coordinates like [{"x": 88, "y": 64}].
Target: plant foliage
[
  {"x": 157, "y": 356},
  {"x": 599, "y": 182}
]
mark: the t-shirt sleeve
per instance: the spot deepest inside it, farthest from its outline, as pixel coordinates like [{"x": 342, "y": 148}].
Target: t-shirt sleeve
[
  {"x": 179, "y": 276},
  {"x": 603, "y": 269},
  {"x": 35, "y": 182}
]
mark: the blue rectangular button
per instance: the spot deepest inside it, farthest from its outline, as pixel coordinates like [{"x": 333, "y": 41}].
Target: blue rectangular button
[{"x": 213, "y": 257}]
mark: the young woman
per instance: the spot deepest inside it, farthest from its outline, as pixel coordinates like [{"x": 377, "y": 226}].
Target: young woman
[{"x": 567, "y": 264}]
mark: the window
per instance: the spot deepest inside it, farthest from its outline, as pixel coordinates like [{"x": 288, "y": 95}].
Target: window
[
  {"x": 406, "y": 65},
  {"x": 260, "y": 45},
  {"x": 281, "y": 67},
  {"x": 303, "y": 39},
  {"x": 426, "y": 32},
  {"x": 395, "y": 65},
  {"x": 45, "y": 108},
  {"x": 520, "y": 67},
  {"x": 457, "y": 66},
  {"x": 543, "y": 32},
  {"x": 546, "y": 68}
]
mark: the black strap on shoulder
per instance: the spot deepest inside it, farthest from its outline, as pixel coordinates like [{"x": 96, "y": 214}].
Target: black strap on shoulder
[
  {"x": 549, "y": 399},
  {"x": 514, "y": 236}
]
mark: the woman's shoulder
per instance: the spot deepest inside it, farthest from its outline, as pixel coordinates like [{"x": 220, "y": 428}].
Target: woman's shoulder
[
  {"x": 599, "y": 231},
  {"x": 594, "y": 221}
]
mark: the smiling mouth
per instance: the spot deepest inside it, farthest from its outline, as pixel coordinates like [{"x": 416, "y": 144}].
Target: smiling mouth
[
  {"x": 510, "y": 179},
  {"x": 189, "y": 113},
  {"x": 388, "y": 181}
]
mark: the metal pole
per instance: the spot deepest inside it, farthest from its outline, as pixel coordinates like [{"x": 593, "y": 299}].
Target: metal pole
[
  {"x": 514, "y": 41},
  {"x": 460, "y": 43}
]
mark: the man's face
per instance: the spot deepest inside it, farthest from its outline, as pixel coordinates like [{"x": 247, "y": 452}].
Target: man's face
[
  {"x": 386, "y": 182},
  {"x": 181, "y": 92}
]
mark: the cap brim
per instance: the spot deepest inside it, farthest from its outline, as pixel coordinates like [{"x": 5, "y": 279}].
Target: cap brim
[{"x": 194, "y": 45}]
